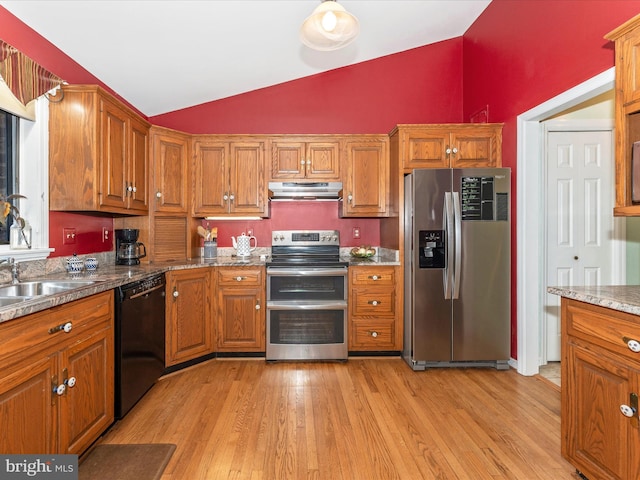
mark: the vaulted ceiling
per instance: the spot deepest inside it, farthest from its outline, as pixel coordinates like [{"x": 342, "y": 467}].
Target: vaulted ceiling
[{"x": 164, "y": 55}]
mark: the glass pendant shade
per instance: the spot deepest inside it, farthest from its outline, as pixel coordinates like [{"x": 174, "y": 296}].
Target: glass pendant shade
[{"x": 329, "y": 27}]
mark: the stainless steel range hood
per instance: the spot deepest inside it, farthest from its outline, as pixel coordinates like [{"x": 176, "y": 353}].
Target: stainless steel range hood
[{"x": 283, "y": 191}]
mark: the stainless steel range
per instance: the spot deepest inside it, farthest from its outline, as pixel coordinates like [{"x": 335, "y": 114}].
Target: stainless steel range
[{"x": 306, "y": 297}]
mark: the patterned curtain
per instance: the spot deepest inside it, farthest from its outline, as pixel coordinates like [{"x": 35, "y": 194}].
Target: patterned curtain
[{"x": 26, "y": 79}]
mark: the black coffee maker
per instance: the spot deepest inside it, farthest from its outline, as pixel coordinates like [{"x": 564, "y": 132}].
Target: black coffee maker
[{"x": 128, "y": 250}]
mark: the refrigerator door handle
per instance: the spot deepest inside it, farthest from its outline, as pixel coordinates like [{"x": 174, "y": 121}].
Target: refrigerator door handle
[
  {"x": 448, "y": 227},
  {"x": 457, "y": 214}
]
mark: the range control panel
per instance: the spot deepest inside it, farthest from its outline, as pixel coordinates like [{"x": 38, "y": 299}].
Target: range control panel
[{"x": 305, "y": 238}]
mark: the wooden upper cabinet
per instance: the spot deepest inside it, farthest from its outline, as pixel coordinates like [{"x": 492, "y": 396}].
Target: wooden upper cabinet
[
  {"x": 229, "y": 177},
  {"x": 449, "y": 145},
  {"x": 627, "y": 44},
  {"x": 627, "y": 115},
  {"x": 170, "y": 167},
  {"x": 365, "y": 186},
  {"x": 305, "y": 158},
  {"x": 98, "y": 153}
]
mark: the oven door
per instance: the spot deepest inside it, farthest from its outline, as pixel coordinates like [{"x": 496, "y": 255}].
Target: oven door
[
  {"x": 307, "y": 331},
  {"x": 307, "y": 284}
]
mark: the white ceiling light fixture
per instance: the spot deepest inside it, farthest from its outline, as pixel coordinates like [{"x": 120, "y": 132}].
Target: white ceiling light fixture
[{"x": 329, "y": 27}]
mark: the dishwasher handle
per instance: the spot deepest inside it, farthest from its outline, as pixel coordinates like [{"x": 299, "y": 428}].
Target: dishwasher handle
[{"x": 146, "y": 292}]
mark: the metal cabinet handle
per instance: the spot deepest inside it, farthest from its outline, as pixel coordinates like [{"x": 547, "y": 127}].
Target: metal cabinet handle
[{"x": 634, "y": 345}]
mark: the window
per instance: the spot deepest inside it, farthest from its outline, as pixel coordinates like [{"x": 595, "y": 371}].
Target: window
[
  {"x": 30, "y": 177},
  {"x": 9, "y": 147}
]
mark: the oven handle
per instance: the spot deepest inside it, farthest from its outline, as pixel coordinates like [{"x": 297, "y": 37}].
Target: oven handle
[
  {"x": 295, "y": 272},
  {"x": 307, "y": 306}
]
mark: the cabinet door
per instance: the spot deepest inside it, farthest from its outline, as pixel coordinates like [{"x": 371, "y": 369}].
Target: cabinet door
[
  {"x": 600, "y": 441},
  {"x": 425, "y": 148},
  {"x": 86, "y": 408},
  {"x": 323, "y": 161},
  {"x": 472, "y": 149},
  {"x": 113, "y": 169},
  {"x": 241, "y": 320},
  {"x": 210, "y": 178},
  {"x": 248, "y": 190},
  {"x": 365, "y": 189},
  {"x": 287, "y": 160},
  {"x": 188, "y": 315},
  {"x": 628, "y": 66},
  {"x": 170, "y": 172},
  {"x": 28, "y": 407},
  {"x": 138, "y": 175}
]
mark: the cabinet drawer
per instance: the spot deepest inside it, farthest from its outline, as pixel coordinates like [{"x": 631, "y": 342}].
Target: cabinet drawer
[
  {"x": 33, "y": 330},
  {"x": 373, "y": 302},
  {"x": 376, "y": 335},
  {"x": 240, "y": 276},
  {"x": 373, "y": 276},
  {"x": 605, "y": 327}
]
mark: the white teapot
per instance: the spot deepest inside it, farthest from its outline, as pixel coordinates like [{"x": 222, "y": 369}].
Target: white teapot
[{"x": 243, "y": 244}]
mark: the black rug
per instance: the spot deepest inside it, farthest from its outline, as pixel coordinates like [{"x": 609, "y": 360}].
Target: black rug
[{"x": 126, "y": 462}]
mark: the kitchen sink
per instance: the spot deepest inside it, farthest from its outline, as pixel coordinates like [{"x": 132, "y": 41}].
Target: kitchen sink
[{"x": 38, "y": 288}]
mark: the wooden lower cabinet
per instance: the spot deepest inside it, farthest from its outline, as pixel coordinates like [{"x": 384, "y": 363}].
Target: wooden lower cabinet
[
  {"x": 241, "y": 319},
  {"x": 57, "y": 387},
  {"x": 373, "y": 322},
  {"x": 600, "y": 374},
  {"x": 189, "y": 315}
]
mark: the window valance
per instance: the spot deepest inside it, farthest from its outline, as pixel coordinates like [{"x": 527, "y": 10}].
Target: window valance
[{"x": 25, "y": 79}]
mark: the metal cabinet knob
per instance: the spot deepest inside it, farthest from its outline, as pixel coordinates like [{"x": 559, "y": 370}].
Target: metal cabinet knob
[
  {"x": 374, "y": 334},
  {"x": 158, "y": 194},
  {"x": 175, "y": 294},
  {"x": 257, "y": 306}
]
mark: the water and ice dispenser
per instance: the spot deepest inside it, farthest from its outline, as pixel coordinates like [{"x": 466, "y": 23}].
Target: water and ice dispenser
[{"x": 432, "y": 248}]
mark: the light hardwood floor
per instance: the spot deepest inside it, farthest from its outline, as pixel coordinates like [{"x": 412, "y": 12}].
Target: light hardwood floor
[{"x": 368, "y": 418}]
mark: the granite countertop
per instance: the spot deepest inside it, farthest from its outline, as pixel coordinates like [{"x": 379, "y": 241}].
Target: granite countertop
[
  {"x": 624, "y": 298},
  {"x": 109, "y": 276}
]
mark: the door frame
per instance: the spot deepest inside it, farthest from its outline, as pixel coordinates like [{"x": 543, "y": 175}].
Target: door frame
[{"x": 530, "y": 214}]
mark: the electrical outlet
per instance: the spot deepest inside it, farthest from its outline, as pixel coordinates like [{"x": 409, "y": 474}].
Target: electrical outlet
[
  {"x": 356, "y": 232},
  {"x": 68, "y": 236},
  {"x": 105, "y": 234}
]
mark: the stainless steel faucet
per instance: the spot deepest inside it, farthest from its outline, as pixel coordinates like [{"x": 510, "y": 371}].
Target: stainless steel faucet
[{"x": 15, "y": 271}]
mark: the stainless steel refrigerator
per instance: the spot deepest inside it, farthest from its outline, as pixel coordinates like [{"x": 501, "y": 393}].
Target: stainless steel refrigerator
[{"x": 457, "y": 268}]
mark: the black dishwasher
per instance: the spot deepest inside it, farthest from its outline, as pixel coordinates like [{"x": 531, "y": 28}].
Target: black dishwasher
[{"x": 139, "y": 341}]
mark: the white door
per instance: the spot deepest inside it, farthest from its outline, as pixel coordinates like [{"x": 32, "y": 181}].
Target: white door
[{"x": 580, "y": 224}]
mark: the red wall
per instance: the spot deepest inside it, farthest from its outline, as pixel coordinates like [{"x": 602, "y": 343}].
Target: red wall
[
  {"x": 303, "y": 215},
  {"x": 519, "y": 54},
  {"x": 422, "y": 85}
]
